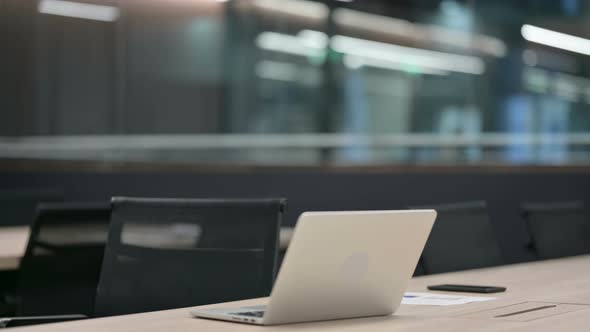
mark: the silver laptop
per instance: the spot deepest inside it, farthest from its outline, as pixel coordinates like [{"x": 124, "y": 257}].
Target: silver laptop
[{"x": 341, "y": 265}]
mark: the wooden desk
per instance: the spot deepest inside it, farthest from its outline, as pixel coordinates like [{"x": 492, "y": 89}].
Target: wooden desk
[
  {"x": 13, "y": 242},
  {"x": 563, "y": 281}
]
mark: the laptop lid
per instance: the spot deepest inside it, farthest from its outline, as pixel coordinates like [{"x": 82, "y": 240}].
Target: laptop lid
[{"x": 348, "y": 264}]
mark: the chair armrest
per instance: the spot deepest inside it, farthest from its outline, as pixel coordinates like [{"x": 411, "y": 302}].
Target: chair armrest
[{"x": 32, "y": 320}]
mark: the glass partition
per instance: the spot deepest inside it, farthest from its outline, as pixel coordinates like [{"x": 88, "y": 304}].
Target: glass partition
[{"x": 296, "y": 82}]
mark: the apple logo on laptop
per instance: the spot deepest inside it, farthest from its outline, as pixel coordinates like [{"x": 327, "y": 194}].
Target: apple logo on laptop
[{"x": 355, "y": 266}]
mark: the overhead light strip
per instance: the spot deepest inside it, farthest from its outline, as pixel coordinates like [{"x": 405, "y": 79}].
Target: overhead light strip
[
  {"x": 408, "y": 55},
  {"x": 307, "y": 9},
  {"x": 555, "y": 39},
  {"x": 80, "y": 10},
  {"x": 314, "y": 43}
]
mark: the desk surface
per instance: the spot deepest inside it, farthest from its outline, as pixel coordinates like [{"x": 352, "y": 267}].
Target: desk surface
[
  {"x": 560, "y": 281},
  {"x": 13, "y": 242}
]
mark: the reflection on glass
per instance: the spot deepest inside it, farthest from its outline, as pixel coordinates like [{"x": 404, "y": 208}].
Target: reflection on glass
[{"x": 297, "y": 82}]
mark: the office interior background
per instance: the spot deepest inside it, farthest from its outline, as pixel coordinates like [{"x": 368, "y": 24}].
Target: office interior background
[
  {"x": 296, "y": 82},
  {"x": 332, "y": 104}
]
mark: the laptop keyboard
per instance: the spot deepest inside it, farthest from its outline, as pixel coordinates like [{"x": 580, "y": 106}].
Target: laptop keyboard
[{"x": 249, "y": 313}]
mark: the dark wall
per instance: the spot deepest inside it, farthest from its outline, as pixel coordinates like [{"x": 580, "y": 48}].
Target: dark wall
[
  {"x": 157, "y": 69},
  {"x": 337, "y": 190},
  {"x": 16, "y": 44},
  {"x": 74, "y": 62}
]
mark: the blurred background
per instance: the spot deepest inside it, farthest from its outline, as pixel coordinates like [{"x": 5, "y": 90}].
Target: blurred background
[
  {"x": 334, "y": 105},
  {"x": 478, "y": 108},
  {"x": 295, "y": 82}
]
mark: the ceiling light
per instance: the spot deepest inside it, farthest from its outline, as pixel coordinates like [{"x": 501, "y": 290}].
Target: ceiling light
[
  {"x": 79, "y": 10},
  {"x": 555, "y": 39}
]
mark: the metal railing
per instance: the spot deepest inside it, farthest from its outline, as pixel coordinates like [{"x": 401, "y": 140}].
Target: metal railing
[{"x": 125, "y": 146}]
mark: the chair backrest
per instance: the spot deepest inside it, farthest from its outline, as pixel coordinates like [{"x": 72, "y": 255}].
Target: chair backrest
[
  {"x": 557, "y": 229},
  {"x": 60, "y": 270},
  {"x": 18, "y": 206},
  {"x": 462, "y": 238},
  {"x": 171, "y": 253}
]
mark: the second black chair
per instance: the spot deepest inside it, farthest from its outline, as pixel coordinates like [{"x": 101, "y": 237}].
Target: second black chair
[
  {"x": 557, "y": 229},
  {"x": 61, "y": 266},
  {"x": 462, "y": 238},
  {"x": 171, "y": 253}
]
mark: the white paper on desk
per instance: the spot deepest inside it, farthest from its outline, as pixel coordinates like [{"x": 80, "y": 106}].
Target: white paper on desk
[{"x": 440, "y": 299}]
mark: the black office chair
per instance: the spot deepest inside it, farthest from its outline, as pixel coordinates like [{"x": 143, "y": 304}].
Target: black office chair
[
  {"x": 18, "y": 206},
  {"x": 557, "y": 229},
  {"x": 171, "y": 253},
  {"x": 60, "y": 269},
  {"x": 462, "y": 238}
]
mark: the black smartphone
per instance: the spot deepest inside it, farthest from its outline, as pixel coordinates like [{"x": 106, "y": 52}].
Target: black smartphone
[{"x": 467, "y": 288}]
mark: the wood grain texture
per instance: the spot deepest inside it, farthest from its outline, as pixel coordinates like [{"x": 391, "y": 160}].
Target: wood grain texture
[
  {"x": 13, "y": 242},
  {"x": 561, "y": 281}
]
